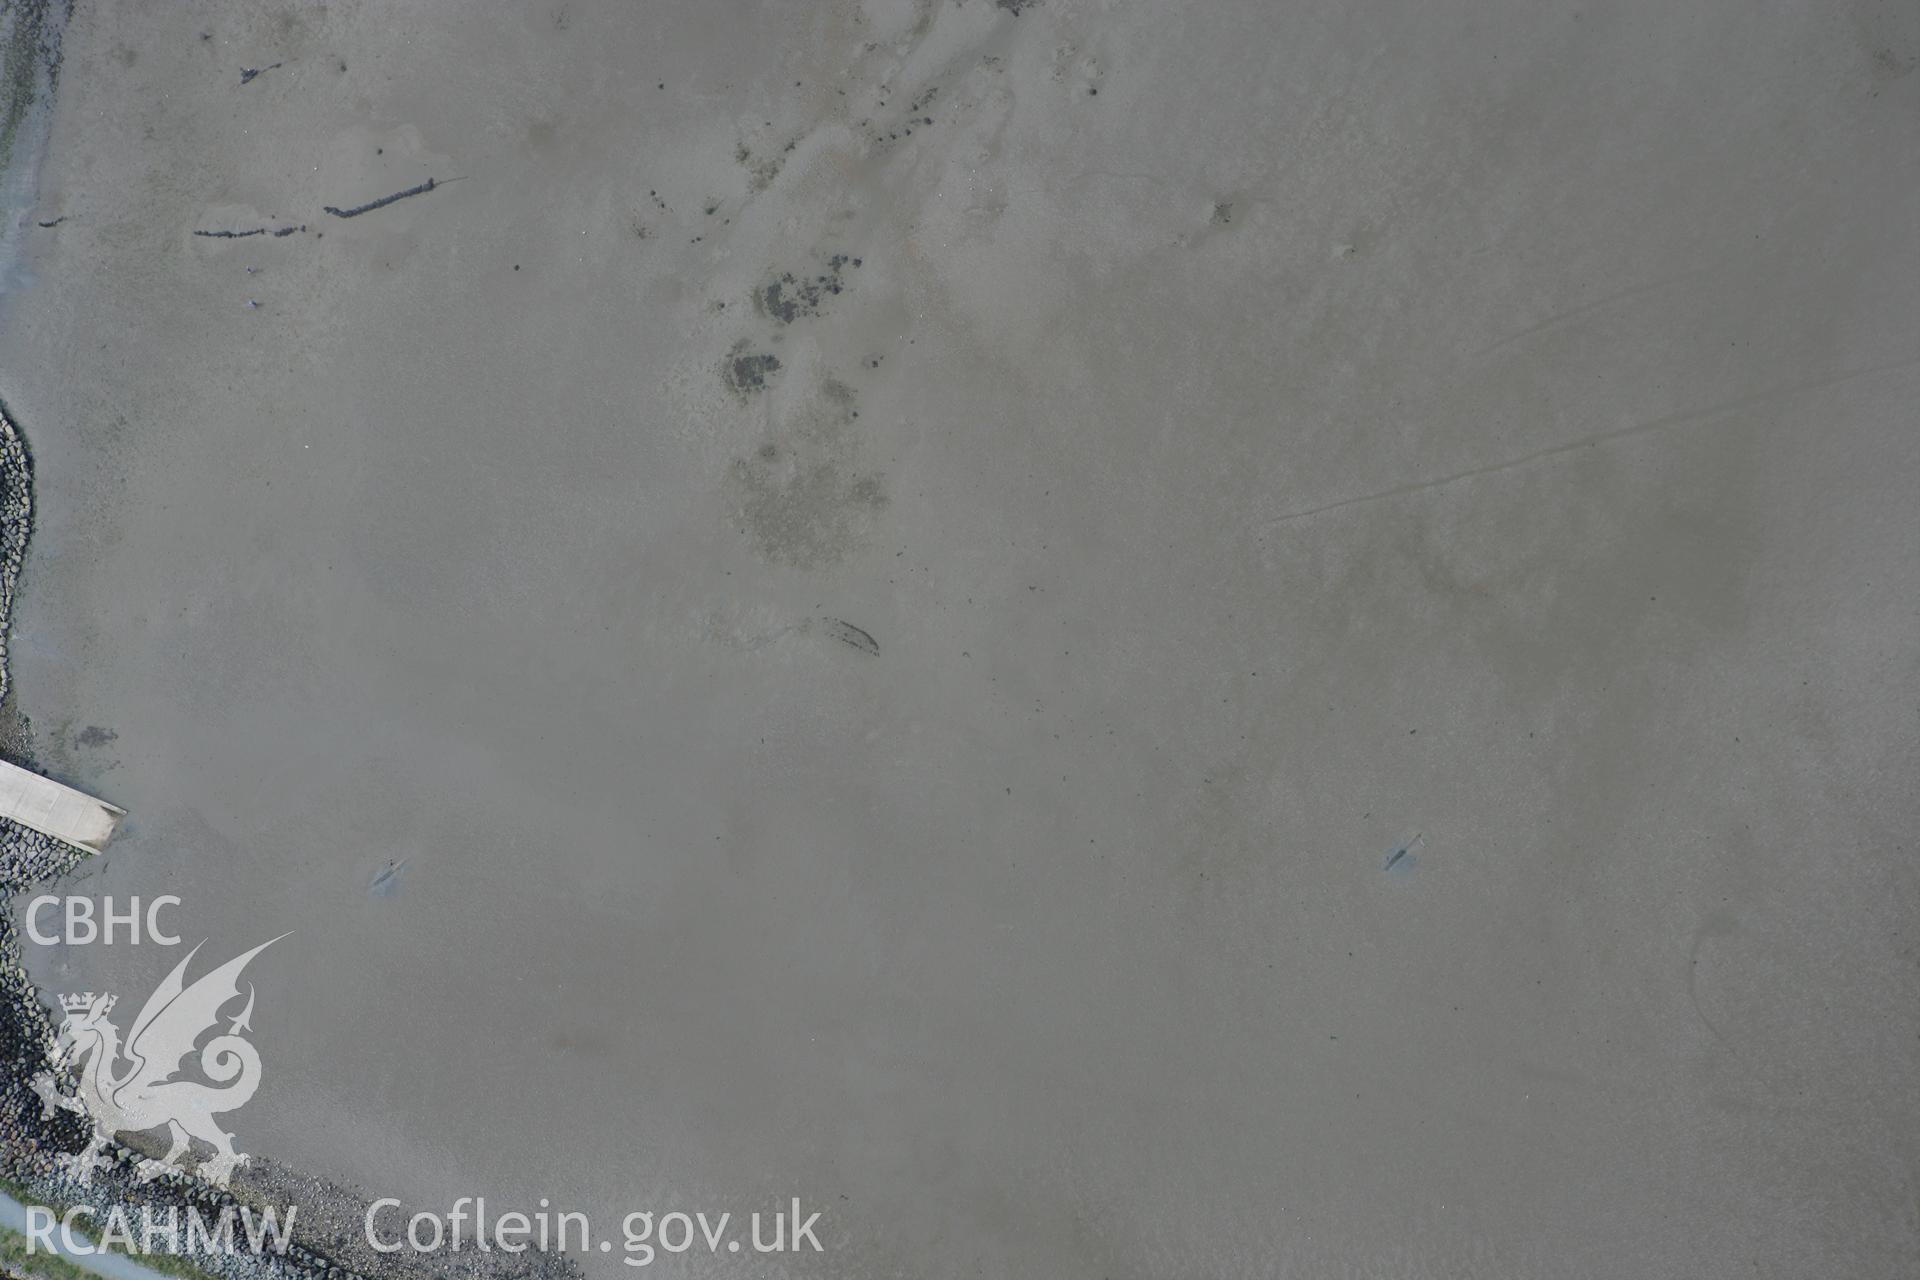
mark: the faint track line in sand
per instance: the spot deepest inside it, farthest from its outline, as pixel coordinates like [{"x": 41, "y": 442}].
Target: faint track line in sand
[
  {"x": 1567, "y": 317},
  {"x": 1662, "y": 423}
]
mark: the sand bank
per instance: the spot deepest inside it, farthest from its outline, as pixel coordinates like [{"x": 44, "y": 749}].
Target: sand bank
[{"x": 858, "y": 610}]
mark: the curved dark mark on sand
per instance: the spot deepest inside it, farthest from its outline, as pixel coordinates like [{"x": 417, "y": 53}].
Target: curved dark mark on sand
[
  {"x": 1713, "y": 927},
  {"x": 848, "y": 634},
  {"x": 53, "y": 222},
  {"x": 384, "y": 201},
  {"x": 1401, "y": 859},
  {"x": 387, "y": 882}
]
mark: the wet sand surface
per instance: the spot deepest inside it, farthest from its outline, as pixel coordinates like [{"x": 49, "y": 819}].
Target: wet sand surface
[{"x": 859, "y": 610}]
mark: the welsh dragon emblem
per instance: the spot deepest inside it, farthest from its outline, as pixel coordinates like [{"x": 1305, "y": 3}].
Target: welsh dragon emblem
[{"x": 132, "y": 1089}]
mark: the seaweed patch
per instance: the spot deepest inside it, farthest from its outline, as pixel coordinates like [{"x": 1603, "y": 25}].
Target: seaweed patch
[
  {"x": 746, "y": 372},
  {"x": 789, "y": 297}
]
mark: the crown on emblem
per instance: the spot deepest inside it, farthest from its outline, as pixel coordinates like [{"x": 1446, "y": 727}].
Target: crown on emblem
[{"x": 79, "y": 1003}]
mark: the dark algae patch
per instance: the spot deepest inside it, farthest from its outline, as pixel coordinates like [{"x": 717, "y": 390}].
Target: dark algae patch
[
  {"x": 746, "y": 371},
  {"x": 803, "y": 496},
  {"x": 789, "y": 297}
]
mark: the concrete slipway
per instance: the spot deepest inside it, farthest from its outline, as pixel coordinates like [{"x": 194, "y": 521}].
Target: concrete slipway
[{"x": 57, "y": 810}]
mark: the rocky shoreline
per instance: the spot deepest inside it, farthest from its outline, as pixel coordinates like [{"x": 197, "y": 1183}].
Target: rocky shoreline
[{"x": 32, "y": 1137}]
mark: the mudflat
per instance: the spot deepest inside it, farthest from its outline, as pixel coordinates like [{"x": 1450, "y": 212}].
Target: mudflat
[{"x": 1211, "y": 639}]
